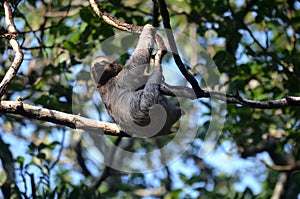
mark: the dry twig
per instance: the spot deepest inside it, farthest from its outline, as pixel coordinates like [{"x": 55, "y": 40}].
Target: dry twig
[{"x": 11, "y": 35}]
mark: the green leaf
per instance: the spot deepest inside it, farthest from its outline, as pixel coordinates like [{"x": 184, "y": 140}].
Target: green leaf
[
  {"x": 41, "y": 155},
  {"x": 20, "y": 160},
  {"x": 52, "y": 145},
  {"x": 42, "y": 146}
]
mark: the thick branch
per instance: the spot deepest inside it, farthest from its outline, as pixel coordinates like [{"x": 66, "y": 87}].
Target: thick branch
[
  {"x": 12, "y": 31},
  {"x": 61, "y": 118}
]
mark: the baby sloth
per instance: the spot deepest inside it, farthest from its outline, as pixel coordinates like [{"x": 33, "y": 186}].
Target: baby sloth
[{"x": 131, "y": 97}]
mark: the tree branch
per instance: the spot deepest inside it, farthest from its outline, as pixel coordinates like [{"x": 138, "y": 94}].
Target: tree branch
[
  {"x": 189, "y": 77},
  {"x": 81, "y": 160},
  {"x": 61, "y": 118},
  {"x": 279, "y": 187},
  {"x": 107, "y": 170},
  {"x": 8, "y": 166},
  {"x": 106, "y": 17},
  {"x": 12, "y": 31},
  {"x": 182, "y": 91}
]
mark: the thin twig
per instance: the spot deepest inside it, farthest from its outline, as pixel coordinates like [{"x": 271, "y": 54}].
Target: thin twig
[
  {"x": 12, "y": 31},
  {"x": 189, "y": 77},
  {"x": 107, "y": 170},
  {"x": 267, "y": 52},
  {"x": 81, "y": 160},
  {"x": 106, "y": 17},
  {"x": 289, "y": 11},
  {"x": 60, "y": 151}
]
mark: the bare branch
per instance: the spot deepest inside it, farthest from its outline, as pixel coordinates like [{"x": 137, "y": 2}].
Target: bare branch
[
  {"x": 155, "y": 13},
  {"x": 107, "y": 170},
  {"x": 7, "y": 161},
  {"x": 279, "y": 187},
  {"x": 61, "y": 13},
  {"x": 61, "y": 118},
  {"x": 189, "y": 77},
  {"x": 10, "y": 25},
  {"x": 106, "y": 17},
  {"x": 290, "y": 168},
  {"x": 81, "y": 160},
  {"x": 182, "y": 91},
  {"x": 12, "y": 31}
]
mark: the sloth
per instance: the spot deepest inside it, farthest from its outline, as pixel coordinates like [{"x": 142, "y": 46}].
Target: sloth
[{"x": 133, "y": 98}]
